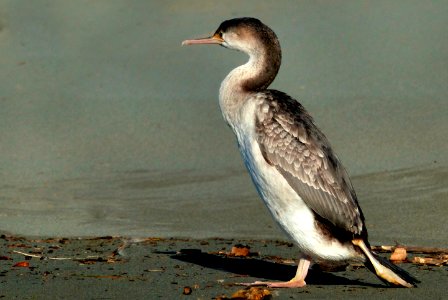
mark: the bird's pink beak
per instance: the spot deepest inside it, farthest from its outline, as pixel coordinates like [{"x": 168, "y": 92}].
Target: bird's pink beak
[{"x": 215, "y": 39}]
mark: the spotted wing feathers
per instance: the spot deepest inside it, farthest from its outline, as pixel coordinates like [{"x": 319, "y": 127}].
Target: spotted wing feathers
[{"x": 291, "y": 142}]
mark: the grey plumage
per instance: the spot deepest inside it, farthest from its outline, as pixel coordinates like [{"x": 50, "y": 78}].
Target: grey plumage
[
  {"x": 290, "y": 160},
  {"x": 291, "y": 142}
]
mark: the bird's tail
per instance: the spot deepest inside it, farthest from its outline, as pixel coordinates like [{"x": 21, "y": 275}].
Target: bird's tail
[{"x": 384, "y": 269}]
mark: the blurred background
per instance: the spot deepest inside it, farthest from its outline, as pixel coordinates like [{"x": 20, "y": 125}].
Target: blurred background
[{"x": 110, "y": 127}]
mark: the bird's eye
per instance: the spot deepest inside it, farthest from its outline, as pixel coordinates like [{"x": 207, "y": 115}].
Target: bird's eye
[{"x": 218, "y": 34}]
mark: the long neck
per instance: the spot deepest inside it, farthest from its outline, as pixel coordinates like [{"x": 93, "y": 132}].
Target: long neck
[{"x": 254, "y": 76}]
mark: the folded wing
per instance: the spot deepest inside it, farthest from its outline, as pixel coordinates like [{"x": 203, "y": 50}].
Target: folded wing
[{"x": 290, "y": 141}]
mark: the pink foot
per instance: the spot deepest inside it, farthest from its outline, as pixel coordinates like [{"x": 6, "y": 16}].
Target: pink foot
[
  {"x": 279, "y": 284},
  {"x": 296, "y": 282}
]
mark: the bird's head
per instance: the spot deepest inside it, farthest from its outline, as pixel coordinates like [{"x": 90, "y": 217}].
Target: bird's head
[{"x": 248, "y": 35}]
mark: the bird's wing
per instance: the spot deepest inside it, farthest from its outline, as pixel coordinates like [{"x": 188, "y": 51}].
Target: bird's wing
[{"x": 290, "y": 141}]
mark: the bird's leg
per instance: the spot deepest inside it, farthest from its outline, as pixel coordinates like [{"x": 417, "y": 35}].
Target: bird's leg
[{"x": 297, "y": 281}]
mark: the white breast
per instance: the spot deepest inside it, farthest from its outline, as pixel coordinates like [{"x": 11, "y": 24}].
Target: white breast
[{"x": 285, "y": 205}]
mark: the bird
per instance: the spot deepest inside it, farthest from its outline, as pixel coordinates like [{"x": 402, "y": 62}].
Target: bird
[{"x": 291, "y": 162}]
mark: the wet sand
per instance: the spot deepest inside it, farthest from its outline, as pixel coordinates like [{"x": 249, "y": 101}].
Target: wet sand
[
  {"x": 408, "y": 206},
  {"x": 103, "y": 268},
  {"x": 109, "y": 127}
]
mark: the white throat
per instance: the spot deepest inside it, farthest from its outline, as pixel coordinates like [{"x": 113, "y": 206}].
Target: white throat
[{"x": 232, "y": 93}]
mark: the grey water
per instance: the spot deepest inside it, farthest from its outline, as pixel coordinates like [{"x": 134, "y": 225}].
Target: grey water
[{"x": 109, "y": 127}]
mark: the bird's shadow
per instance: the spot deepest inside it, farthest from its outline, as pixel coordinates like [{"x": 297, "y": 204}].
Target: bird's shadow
[{"x": 258, "y": 268}]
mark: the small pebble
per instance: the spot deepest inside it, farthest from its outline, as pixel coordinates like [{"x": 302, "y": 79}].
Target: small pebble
[{"x": 187, "y": 290}]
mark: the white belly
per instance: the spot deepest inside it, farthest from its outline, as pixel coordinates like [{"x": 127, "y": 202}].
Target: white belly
[{"x": 285, "y": 205}]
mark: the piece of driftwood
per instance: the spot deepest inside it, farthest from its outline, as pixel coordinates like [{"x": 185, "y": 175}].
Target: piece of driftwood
[
  {"x": 411, "y": 249},
  {"x": 85, "y": 260},
  {"x": 432, "y": 261}
]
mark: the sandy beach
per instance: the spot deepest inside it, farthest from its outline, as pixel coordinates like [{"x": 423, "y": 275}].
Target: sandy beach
[
  {"x": 114, "y": 268},
  {"x": 114, "y": 155},
  {"x": 406, "y": 207}
]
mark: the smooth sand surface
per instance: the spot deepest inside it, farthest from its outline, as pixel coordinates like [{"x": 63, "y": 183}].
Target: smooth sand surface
[
  {"x": 95, "y": 87},
  {"x": 110, "y": 127},
  {"x": 408, "y": 206}
]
